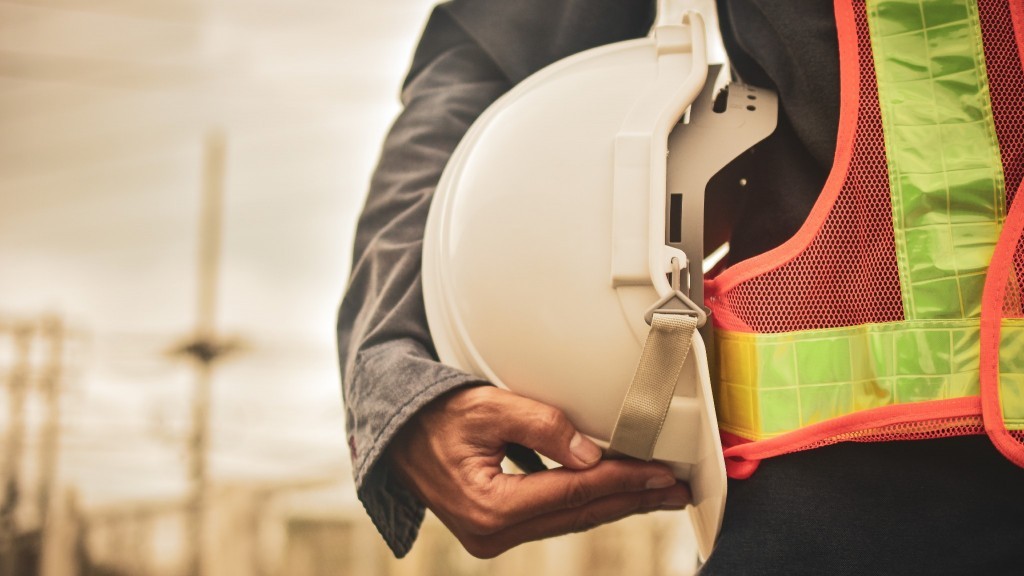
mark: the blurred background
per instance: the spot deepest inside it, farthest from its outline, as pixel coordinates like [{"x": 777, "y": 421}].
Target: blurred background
[{"x": 179, "y": 182}]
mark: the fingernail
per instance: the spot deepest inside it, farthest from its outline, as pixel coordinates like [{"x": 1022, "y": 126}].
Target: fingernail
[
  {"x": 660, "y": 481},
  {"x": 584, "y": 449}
]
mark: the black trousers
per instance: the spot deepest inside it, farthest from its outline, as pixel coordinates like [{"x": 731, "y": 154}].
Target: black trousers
[{"x": 949, "y": 506}]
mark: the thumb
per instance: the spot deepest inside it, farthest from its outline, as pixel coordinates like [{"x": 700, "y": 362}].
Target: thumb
[{"x": 547, "y": 430}]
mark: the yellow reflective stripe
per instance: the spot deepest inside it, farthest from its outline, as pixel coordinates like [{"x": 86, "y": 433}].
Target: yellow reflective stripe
[
  {"x": 770, "y": 384},
  {"x": 1011, "y": 372},
  {"x": 945, "y": 171}
]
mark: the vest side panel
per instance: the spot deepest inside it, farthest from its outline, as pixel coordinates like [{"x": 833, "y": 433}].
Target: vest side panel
[
  {"x": 1006, "y": 86},
  {"x": 1002, "y": 386},
  {"x": 1003, "y": 29},
  {"x": 840, "y": 268},
  {"x": 860, "y": 397}
]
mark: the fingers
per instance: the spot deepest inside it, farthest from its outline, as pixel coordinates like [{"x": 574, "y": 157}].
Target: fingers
[
  {"x": 517, "y": 498},
  {"x": 595, "y": 513},
  {"x": 450, "y": 456},
  {"x": 545, "y": 429}
]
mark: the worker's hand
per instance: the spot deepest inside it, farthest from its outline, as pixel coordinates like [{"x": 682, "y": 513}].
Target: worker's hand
[{"x": 450, "y": 455}]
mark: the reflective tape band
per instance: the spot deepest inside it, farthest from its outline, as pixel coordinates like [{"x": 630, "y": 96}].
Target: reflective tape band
[
  {"x": 771, "y": 384},
  {"x": 1011, "y": 373},
  {"x": 945, "y": 171},
  {"x": 650, "y": 393}
]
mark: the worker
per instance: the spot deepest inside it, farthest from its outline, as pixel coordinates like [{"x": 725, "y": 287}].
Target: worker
[{"x": 422, "y": 434}]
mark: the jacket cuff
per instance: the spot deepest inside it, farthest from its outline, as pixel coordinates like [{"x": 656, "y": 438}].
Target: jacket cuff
[{"x": 396, "y": 512}]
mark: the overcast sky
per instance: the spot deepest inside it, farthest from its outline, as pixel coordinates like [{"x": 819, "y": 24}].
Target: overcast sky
[{"x": 104, "y": 106}]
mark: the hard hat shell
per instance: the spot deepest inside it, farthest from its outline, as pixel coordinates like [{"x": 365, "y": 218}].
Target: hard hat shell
[{"x": 545, "y": 246}]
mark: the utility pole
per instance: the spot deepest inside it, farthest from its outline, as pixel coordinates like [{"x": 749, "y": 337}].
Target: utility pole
[
  {"x": 53, "y": 334},
  {"x": 49, "y": 445},
  {"x": 10, "y": 473},
  {"x": 59, "y": 521},
  {"x": 204, "y": 347}
]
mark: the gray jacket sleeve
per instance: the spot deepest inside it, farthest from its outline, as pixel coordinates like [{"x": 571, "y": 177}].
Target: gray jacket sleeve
[
  {"x": 389, "y": 369},
  {"x": 470, "y": 53}
]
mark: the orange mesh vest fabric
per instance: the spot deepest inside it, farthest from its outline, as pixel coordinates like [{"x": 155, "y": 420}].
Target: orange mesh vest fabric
[{"x": 838, "y": 290}]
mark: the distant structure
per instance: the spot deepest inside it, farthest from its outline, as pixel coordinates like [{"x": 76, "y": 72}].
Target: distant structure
[
  {"x": 318, "y": 529},
  {"x": 32, "y": 364},
  {"x": 205, "y": 346}
]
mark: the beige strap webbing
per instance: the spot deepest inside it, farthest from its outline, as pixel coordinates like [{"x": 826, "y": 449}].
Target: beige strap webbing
[{"x": 647, "y": 401}]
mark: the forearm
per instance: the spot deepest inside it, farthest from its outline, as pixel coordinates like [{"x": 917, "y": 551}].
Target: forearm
[{"x": 388, "y": 363}]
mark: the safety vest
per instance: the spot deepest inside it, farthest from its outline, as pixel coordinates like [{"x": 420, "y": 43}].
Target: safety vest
[{"x": 896, "y": 311}]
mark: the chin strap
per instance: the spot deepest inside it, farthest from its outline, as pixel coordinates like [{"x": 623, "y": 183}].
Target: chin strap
[{"x": 647, "y": 401}]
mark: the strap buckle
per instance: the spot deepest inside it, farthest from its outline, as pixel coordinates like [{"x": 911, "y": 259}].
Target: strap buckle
[{"x": 691, "y": 307}]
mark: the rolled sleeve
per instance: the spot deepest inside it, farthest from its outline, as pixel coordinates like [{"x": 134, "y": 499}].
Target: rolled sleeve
[{"x": 413, "y": 379}]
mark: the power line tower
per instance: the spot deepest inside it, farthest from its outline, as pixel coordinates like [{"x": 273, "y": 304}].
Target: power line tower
[
  {"x": 37, "y": 364},
  {"x": 53, "y": 333},
  {"x": 14, "y": 441},
  {"x": 205, "y": 346}
]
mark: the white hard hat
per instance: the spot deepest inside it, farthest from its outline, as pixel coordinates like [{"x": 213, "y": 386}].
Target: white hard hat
[{"x": 547, "y": 248}]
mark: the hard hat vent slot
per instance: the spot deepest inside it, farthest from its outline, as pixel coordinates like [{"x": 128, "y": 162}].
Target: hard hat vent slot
[
  {"x": 675, "y": 218},
  {"x": 721, "y": 102}
]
